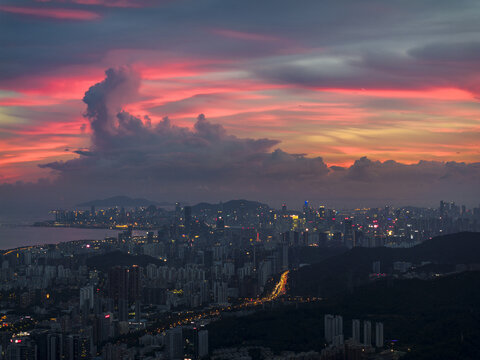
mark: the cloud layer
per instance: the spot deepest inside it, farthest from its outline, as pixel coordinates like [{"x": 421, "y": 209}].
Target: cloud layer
[
  {"x": 343, "y": 82},
  {"x": 126, "y": 148},
  {"x": 164, "y": 161}
]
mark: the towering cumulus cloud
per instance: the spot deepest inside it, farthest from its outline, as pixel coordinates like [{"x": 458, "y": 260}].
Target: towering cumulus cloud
[
  {"x": 135, "y": 156},
  {"x": 130, "y": 152}
]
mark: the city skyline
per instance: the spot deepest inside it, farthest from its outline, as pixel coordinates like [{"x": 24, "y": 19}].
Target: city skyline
[
  {"x": 242, "y": 180},
  {"x": 344, "y": 103}
]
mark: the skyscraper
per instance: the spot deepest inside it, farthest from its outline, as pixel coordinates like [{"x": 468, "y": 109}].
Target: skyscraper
[
  {"x": 174, "y": 344},
  {"x": 328, "y": 324},
  {"x": 54, "y": 346},
  {"x": 379, "y": 335},
  {"x": 122, "y": 309},
  {"x": 134, "y": 283},
  {"x": 118, "y": 283},
  {"x": 349, "y": 233},
  {"x": 367, "y": 333},
  {"x": 86, "y": 297},
  {"x": 200, "y": 343},
  {"x": 356, "y": 331},
  {"x": 285, "y": 264},
  {"x": 187, "y": 218},
  {"x": 21, "y": 348},
  {"x": 220, "y": 294},
  {"x": 333, "y": 329}
]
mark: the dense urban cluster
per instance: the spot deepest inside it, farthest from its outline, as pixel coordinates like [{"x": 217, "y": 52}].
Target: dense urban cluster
[
  {"x": 150, "y": 296},
  {"x": 368, "y": 227}
]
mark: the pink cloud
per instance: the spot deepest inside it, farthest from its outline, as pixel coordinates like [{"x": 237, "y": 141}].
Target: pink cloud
[
  {"x": 453, "y": 94},
  {"x": 56, "y": 13}
]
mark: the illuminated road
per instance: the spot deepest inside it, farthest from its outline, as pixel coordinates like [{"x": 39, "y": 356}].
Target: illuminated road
[{"x": 279, "y": 290}]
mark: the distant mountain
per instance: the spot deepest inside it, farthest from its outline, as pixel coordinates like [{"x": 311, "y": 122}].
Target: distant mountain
[
  {"x": 246, "y": 205},
  {"x": 122, "y": 201},
  {"x": 352, "y": 268}
]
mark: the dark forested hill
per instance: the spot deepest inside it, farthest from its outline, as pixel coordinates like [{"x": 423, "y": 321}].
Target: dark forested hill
[
  {"x": 348, "y": 270},
  {"x": 436, "y": 319}
]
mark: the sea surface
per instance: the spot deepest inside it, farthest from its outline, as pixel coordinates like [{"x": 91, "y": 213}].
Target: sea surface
[{"x": 16, "y": 236}]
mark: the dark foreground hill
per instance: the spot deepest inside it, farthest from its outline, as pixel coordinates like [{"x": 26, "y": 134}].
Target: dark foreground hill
[
  {"x": 436, "y": 319},
  {"x": 352, "y": 268}
]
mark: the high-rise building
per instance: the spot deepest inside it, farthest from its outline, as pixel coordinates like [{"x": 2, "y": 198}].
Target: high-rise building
[
  {"x": 122, "y": 309},
  {"x": 124, "y": 283},
  {"x": 442, "y": 209},
  {"x": 367, "y": 333},
  {"x": 174, "y": 344},
  {"x": 187, "y": 218},
  {"x": 356, "y": 331},
  {"x": 220, "y": 292},
  {"x": 349, "y": 233},
  {"x": 54, "y": 346},
  {"x": 103, "y": 327},
  {"x": 77, "y": 347},
  {"x": 86, "y": 297},
  {"x": 328, "y": 326},
  {"x": 118, "y": 283},
  {"x": 265, "y": 271},
  {"x": 150, "y": 237},
  {"x": 338, "y": 325},
  {"x": 220, "y": 224},
  {"x": 379, "y": 335},
  {"x": 285, "y": 264},
  {"x": 21, "y": 348},
  {"x": 134, "y": 283},
  {"x": 200, "y": 343},
  {"x": 178, "y": 211},
  {"x": 138, "y": 312},
  {"x": 333, "y": 329},
  {"x": 322, "y": 212}
]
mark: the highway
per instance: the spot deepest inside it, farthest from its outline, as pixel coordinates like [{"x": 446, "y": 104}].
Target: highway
[
  {"x": 187, "y": 317},
  {"x": 279, "y": 290}
]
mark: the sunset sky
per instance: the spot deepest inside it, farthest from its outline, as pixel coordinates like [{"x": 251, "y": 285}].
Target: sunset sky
[{"x": 319, "y": 94}]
